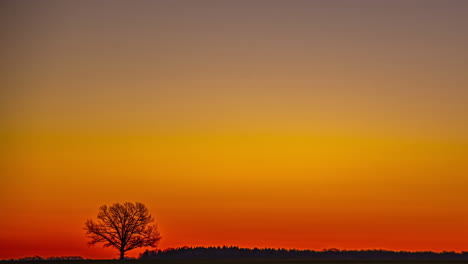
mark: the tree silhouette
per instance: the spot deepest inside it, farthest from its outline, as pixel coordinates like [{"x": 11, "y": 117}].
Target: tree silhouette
[{"x": 123, "y": 226}]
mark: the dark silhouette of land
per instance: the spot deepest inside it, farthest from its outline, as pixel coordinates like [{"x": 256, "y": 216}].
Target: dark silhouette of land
[
  {"x": 241, "y": 261},
  {"x": 232, "y": 255}
]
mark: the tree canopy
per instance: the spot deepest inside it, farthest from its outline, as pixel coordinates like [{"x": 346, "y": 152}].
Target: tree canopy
[{"x": 124, "y": 226}]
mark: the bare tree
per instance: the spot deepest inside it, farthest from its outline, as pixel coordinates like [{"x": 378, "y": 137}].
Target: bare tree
[{"x": 123, "y": 226}]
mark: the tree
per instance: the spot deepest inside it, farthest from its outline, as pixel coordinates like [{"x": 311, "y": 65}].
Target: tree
[{"x": 123, "y": 226}]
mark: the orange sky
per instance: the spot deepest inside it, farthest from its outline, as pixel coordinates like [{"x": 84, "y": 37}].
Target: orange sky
[{"x": 270, "y": 124}]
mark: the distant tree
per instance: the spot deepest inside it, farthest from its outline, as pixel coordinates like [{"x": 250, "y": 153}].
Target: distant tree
[{"x": 124, "y": 226}]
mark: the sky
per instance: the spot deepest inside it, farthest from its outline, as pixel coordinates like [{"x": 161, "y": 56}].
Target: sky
[{"x": 285, "y": 124}]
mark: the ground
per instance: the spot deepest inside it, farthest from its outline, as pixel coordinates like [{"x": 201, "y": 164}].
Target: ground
[{"x": 242, "y": 261}]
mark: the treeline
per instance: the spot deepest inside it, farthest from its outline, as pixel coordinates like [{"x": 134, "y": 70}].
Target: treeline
[{"x": 272, "y": 253}]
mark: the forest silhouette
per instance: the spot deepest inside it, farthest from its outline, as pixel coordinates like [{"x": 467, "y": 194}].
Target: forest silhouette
[{"x": 233, "y": 252}]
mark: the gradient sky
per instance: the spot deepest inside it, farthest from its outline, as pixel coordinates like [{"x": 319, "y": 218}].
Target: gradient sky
[{"x": 296, "y": 124}]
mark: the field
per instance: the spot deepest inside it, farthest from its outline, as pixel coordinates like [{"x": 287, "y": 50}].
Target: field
[{"x": 241, "y": 261}]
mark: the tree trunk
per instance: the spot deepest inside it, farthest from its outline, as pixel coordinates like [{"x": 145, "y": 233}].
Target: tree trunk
[{"x": 122, "y": 255}]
